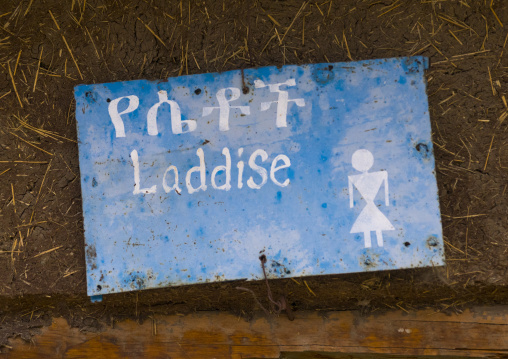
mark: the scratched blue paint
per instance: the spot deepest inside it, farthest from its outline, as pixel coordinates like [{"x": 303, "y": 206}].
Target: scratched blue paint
[
  {"x": 96, "y": 298},
  {"x": 139, "y": 241}
]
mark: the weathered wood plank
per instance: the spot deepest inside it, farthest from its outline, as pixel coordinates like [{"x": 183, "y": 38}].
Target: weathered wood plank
[{"x": 478, "y": 332}]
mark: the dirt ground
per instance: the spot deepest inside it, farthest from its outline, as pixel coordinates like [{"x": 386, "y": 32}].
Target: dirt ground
[{"x": 47, "y": 47}]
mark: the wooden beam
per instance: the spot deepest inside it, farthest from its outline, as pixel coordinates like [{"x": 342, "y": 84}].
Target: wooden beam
[{"x": 478, "y": 332}]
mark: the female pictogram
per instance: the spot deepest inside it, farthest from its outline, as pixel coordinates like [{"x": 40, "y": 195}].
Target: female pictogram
[{"x": 369, "y": 184}]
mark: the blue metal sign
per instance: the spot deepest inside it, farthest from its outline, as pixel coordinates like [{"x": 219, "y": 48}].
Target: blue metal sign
[{"x": 323, "y": 168}]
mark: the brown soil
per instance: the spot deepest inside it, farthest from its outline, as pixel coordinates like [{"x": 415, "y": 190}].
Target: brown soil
[{"x": 48, "y": 47}]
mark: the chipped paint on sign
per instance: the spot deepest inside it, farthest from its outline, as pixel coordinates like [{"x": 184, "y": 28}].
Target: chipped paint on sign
[{"x": 323, "y": 168}]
